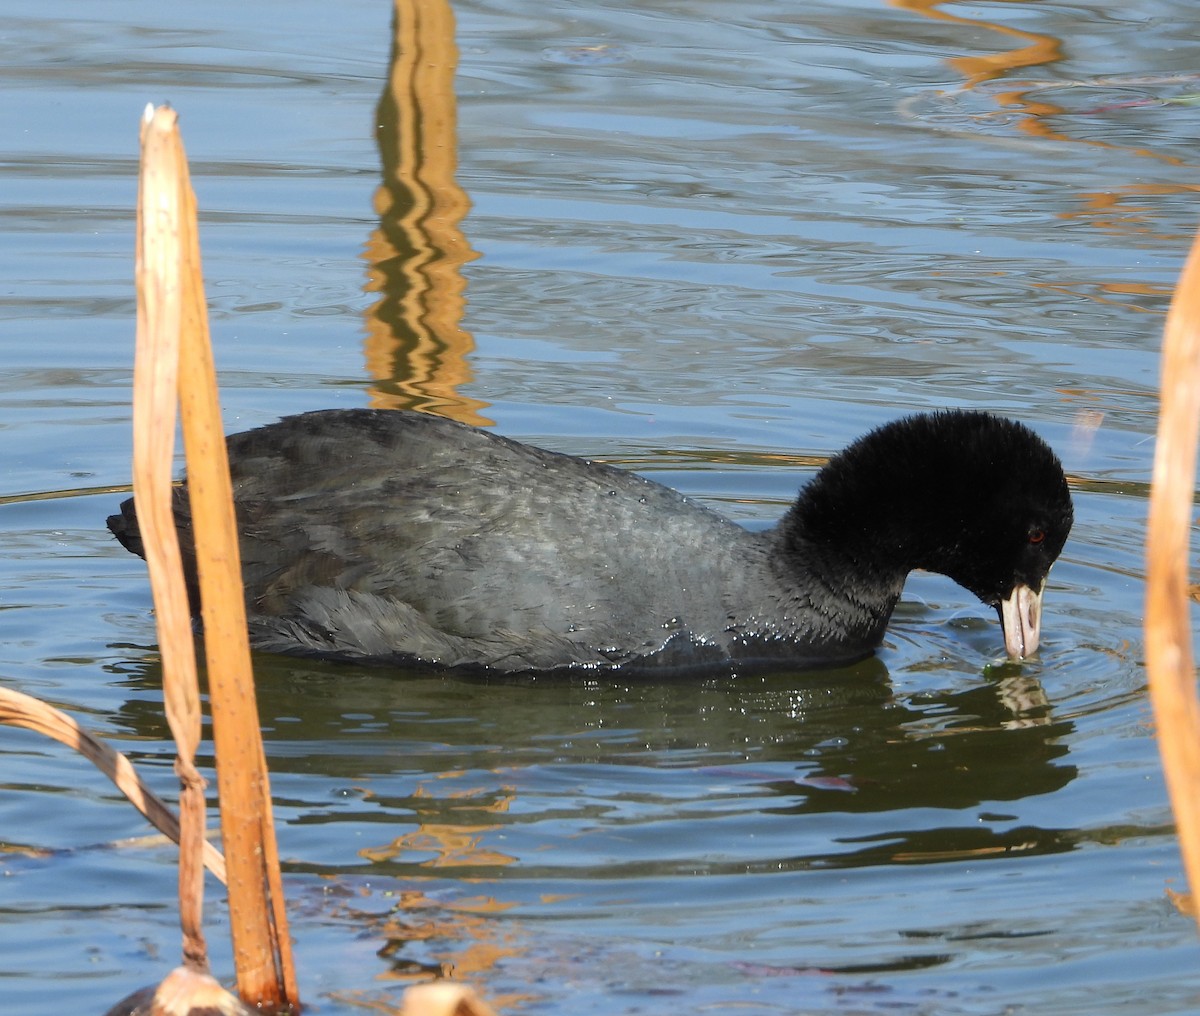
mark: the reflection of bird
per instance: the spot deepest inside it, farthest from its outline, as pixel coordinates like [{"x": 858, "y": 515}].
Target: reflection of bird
[{"x": 403, "y": 537}]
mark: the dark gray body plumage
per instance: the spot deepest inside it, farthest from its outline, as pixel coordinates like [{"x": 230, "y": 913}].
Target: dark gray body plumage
[{"x": 404, "y": 537}]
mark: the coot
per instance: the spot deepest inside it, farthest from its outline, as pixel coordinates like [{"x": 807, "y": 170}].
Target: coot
[{"x": 399, "y": 537}]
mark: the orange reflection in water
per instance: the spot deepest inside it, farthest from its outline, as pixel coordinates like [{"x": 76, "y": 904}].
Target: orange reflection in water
[
  {"x": 1038, "y": 49},
  {"x": 1036, "y": 115},
  {"x": 461, "y": 939},
  {"x": 1118, "y": 212},
  {"x": 1111, "y": 292},
  {"x": 416, "y": 347},
  {"x": 459, "y": 936},
  {"x": 453, "y": 844}
]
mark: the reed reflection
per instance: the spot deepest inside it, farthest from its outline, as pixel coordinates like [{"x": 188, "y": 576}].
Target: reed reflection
[
  {"x": 417, "y": 350},
  {"x": 1032, "y": 107}
]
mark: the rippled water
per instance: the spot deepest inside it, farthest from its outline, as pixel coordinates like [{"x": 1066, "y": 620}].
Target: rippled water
[{"x": 711, "y": 241}]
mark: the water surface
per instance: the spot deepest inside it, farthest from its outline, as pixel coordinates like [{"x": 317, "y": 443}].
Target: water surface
[{"x": 714, "y": 242}]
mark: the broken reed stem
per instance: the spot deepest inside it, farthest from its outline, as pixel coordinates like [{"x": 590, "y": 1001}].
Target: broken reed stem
[
  {"x": 20, "y": 710},
  {"x": 258, "y": 922},
  {"x": 155, "y": 381},
  {"x": 442, "y": 998},
  {"x": 1172, "y": 675}
]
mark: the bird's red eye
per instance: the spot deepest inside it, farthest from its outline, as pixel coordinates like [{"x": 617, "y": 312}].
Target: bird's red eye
[{"x": 1037, "y": 535}]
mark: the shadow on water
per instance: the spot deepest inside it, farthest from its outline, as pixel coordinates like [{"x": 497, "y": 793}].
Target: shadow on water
[{"x": 820, "y": 753}]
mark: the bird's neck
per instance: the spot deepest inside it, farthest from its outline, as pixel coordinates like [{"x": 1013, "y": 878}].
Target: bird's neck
[{"x": 836, "y": 576}]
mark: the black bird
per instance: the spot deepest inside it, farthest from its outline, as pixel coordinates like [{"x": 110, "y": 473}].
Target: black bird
[{"x": 390, "y": 536}]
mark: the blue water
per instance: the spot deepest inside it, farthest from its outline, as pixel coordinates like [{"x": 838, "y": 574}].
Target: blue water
[{"x": 713, "y": 242}]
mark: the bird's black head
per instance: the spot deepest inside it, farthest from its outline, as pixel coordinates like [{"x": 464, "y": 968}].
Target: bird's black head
[{"x": 976, "y": 497}]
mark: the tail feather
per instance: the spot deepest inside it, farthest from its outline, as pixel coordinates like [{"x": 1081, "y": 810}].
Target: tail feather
[{"x": 125, "y": 528}]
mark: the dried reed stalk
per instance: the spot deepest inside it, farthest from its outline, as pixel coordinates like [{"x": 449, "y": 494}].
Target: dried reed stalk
[
  {"x": 442, "y": 998},
  {"x": 174, "y": 361},
  {"x": 183, "y": 992},
  {"x": 1172, "y": 674},
  {"x": 155, "y": 381},
  {"x": 20, "y": 710}
]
